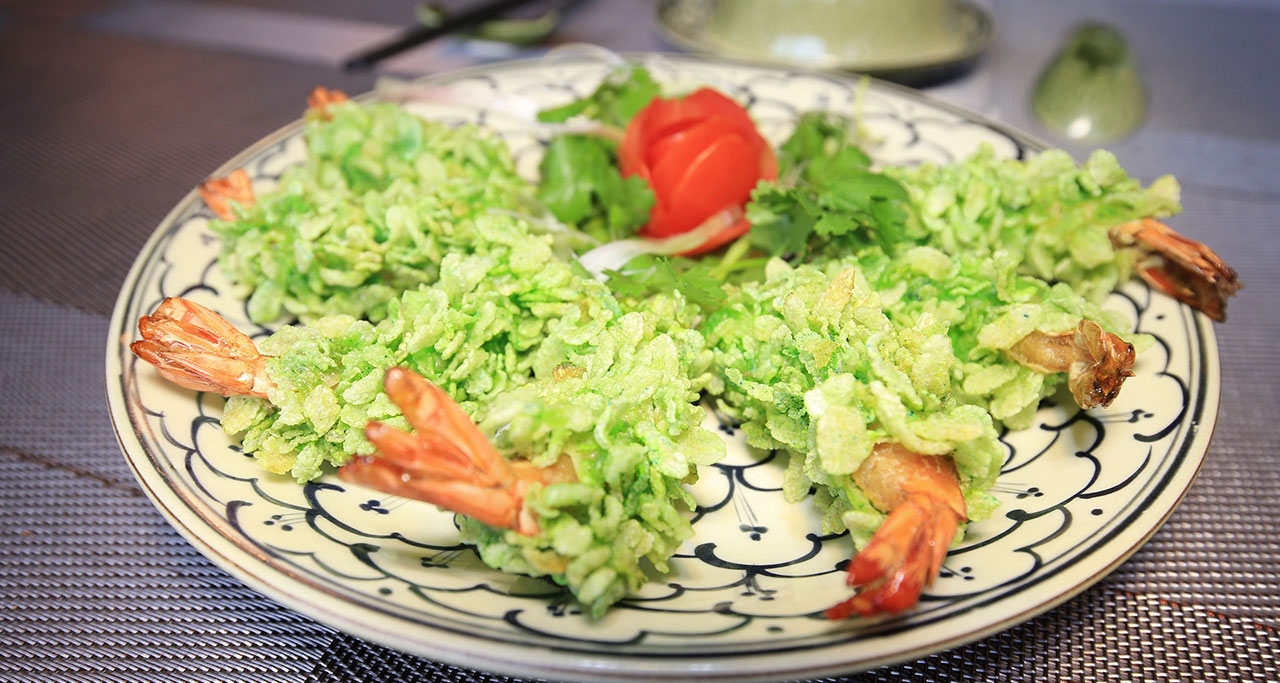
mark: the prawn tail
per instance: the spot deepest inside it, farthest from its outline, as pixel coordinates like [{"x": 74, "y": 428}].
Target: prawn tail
[
  {"x": 902, "y": 559},
  {"x": 196, "y": 348},
  {"x": 493, "y": 505},
  {"x": 1181, "y": 267},
  {"x": 445, "y": 460},
  {"x": 219, "y": 194}
]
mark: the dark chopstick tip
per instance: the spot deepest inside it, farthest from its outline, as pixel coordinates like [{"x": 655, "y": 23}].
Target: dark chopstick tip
[
  {"x": 422, "y": 34},
  {"x": 357, "y": 64}
]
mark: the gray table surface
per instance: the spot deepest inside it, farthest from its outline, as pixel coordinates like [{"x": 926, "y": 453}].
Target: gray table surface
[{"x": 111, "y": 111}]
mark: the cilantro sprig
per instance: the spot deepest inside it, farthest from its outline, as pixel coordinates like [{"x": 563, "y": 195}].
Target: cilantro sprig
[
  {"x": 646, "y": 276},
  {"x": 582, "y": 186},
  {"x": 621, "y": 96},
  {"x": 580, "y": 181},
  {"x": 826, "y": 190}
]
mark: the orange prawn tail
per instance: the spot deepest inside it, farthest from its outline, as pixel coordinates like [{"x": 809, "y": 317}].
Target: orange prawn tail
[
  {"x": 447, "y": 460},
  {"x": 1183, "y": 268},
  {"x": 198, "y": 349},
  {"x": 925, "y": 504},
  {"x": 219, "y": 193},
  {"x": 319, "y": 99},
  {"x": 903, "y": 557}
]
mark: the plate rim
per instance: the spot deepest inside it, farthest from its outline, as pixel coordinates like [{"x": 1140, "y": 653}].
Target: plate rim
[{"x": 451, "y": 646}]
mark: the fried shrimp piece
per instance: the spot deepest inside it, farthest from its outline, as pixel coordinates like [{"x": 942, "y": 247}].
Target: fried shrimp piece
[
  {"x": 868, "y": 416},
  {"x": 218, "y": 193},
  {"x": 1182, "y": 268},
  {"x": 1089, "y": 225},
  {"x": 588, "y": 428},
  {"x": 196, "y": 348},
  {"x": 1017, "y": 337},
  {"x": 447, "y": 461},
  {"x": 922, "y": 495},
  {"x": 1096, "y": 361}
]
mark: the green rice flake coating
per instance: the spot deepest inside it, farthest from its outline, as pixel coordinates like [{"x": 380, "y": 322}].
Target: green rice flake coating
[
  {"x": 494, "y": 320},
  {"x": 987, "y": 306},
  {"x": 1049, "y": 214},
  {"x": 381, "y": 198},
  {"x": 813, "y": 366},
  {"x": 627, "y": 416}
]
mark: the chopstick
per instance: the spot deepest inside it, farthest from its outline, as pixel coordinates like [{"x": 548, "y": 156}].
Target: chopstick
[{"x": 422, "y": 34}]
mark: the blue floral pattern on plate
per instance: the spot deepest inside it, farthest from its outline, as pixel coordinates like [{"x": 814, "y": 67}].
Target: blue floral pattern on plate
[{"x": 1079, "y": 491}]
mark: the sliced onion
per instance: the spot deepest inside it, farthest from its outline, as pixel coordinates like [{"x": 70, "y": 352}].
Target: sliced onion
[{"x": 615, "y": 255}]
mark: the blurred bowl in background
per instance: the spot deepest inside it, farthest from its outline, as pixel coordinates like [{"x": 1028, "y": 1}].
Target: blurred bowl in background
[{"x": 905, "y": 40}]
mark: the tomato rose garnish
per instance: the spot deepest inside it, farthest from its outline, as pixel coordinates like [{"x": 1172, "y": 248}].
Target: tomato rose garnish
[{"x": 701, "y": 155}]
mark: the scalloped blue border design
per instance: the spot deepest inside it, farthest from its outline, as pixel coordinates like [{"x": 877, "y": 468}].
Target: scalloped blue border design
[{"x": 911, "y": 113}]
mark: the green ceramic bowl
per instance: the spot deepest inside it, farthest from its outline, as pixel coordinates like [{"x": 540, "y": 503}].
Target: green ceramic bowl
[{"x": 882, "y": 37}]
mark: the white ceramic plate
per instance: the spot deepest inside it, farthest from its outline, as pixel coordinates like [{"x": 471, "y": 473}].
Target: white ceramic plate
[{"x": 1080, "y": 491}]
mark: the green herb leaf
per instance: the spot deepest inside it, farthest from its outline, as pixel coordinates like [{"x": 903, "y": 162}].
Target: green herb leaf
[
  {"x": 623, "y": 94},
  {"x": 581, "y": 185},
  {"x": 647, "y": 275},
  {"x": 821, "y": 136},
  {"x": 827, "y": 191},
  {"x": 781, "y": 220}
]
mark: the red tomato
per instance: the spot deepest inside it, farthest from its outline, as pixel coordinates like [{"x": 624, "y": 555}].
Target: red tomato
[{"x": 700, "y": 154}]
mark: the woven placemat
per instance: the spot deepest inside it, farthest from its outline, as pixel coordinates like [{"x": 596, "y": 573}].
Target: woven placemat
[
  {"x": 96, "y": 586},
  {"x": 97, "y": 146}
]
